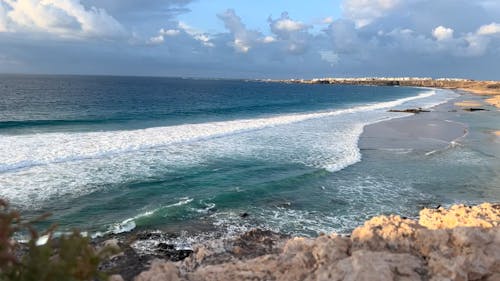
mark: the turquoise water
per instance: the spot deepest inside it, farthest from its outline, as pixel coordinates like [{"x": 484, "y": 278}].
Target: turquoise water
[{"x": 112, "y": 154}]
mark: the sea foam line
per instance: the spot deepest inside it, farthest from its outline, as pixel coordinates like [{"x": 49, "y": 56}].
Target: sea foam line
[
  {"x": 24, "y": 151},
  {"x": 129, "y": 224}
]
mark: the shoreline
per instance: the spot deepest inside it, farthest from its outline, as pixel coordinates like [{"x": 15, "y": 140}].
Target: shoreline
[
  {"x": 489, "y": 90},
  {"x": 426, "y": 131},
  {"x": 201, "y": 230},
  {"x": 459, "y": 242}
]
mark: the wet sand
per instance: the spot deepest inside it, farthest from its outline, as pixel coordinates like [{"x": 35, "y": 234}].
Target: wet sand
[
  {"x": 495, "y": 100},
  {"x": 427, "y": 132}
]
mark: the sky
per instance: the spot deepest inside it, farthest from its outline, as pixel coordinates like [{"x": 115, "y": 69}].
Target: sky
[{"x": 252, "y": 39}]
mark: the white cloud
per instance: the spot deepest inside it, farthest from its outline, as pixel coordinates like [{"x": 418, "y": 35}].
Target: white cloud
[
  {"x": 156, "y": 39},
  {"x": 241, "y": 46},
  {"x": 169, "y": 32},
  {"x": 442, "y": 33},
  {"x": 65, "y": 18},
  {"x": 268, "y": 39},
  {"x": 364, "y": 12},
  {"x": 293, "y": 34},
  {"x": 289, "y": 25},
  {"x": 202, "y": 37},
  {"x": 489, "y": 29},
  {"x": 284, "y": 26},
  {"x": 160, "y": 38},
  {"x": 371, "y": 37},
  {"x": 244, "y": 39}
]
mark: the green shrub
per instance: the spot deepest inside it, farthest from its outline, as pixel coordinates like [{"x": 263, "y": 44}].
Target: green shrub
[{"x": 67, "y": 258}]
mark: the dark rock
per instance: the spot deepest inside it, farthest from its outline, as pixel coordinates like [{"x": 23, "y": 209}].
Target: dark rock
[
  {"x": 128, "y": 265},
  {"x": 148, "y": 235},
  {"x": 284, "y": 205},
  {"x": 254, "y": 243},
  {"x": 169, "y": 252},
  {"x": 410, "y": 110},
  {"x": 474, "y": 109},
  {"x": 493, "y": 86},
  {"x": 165, "y": 247},
  {"x": 244, "y": 215}
]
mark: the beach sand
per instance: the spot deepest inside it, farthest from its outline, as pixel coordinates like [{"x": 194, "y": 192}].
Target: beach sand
[
  {"x": 495, "y": 100},
  {"x": 492, "y": 98},
  {"x": 490, "y": 89},
  {"x": 469, "y": 103},
  {"x": 429, "y": 131},
  {"x": 426, "y": 132}
]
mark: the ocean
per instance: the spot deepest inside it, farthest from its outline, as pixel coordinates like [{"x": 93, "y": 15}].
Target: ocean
[{"x": 113, "y": 154}]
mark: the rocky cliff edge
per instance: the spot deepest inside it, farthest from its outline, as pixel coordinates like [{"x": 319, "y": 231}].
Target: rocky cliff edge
[{"x": 461, "y": 243}]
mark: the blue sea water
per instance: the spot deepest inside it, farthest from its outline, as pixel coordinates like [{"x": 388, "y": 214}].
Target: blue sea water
[{"x": 110, "y": 154}]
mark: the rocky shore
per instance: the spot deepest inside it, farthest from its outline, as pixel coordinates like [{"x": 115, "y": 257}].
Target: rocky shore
[{"x": 459, "y": 243}]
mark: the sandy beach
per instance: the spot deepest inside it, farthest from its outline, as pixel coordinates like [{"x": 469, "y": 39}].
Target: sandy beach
[
  {"x": 490, "y": 90},
  {"x": 432, "y": 130},
  {"x": 425, "y": 131}
]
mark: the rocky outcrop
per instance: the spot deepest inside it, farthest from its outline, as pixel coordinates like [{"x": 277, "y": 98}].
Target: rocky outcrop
[
  {"x": 462, "y": 243},
  {"x": 474, "y": 109},
  {"x": 409, "y": 110},
  {"x": 484, "y": 215}
]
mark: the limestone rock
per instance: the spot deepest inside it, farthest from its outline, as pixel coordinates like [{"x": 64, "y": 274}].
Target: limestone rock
[
  {"x": 462, "y": 243},
  {"x": 385, "y": 233},
  {"x": 376, "y": 266},
  {"x": 160, "y": 271},
  {"x": 484, "y": 215}
]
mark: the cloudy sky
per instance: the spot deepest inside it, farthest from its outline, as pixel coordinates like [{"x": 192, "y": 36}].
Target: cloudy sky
[{"x": 252, "y": 39}]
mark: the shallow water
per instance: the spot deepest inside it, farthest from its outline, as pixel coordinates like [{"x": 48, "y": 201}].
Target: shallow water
[{"x": 118, "y": 153}]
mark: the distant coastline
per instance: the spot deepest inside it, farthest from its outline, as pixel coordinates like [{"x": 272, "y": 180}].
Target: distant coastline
[{"x": 491, "y": 89}]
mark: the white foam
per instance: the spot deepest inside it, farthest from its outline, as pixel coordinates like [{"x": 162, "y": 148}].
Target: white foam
[
  {"x": 61, "y": 166},
  {"x": 129, "y": 224},
  {"x": 21, "y": 151}
]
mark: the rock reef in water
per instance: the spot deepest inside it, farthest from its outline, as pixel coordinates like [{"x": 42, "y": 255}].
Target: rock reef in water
[
  {"x": 409, "y": 110},
  {"x": 462, "y": 243}
]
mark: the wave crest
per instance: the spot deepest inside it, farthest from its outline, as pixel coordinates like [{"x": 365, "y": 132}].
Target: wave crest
[{"x": 24, "y": 151}]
